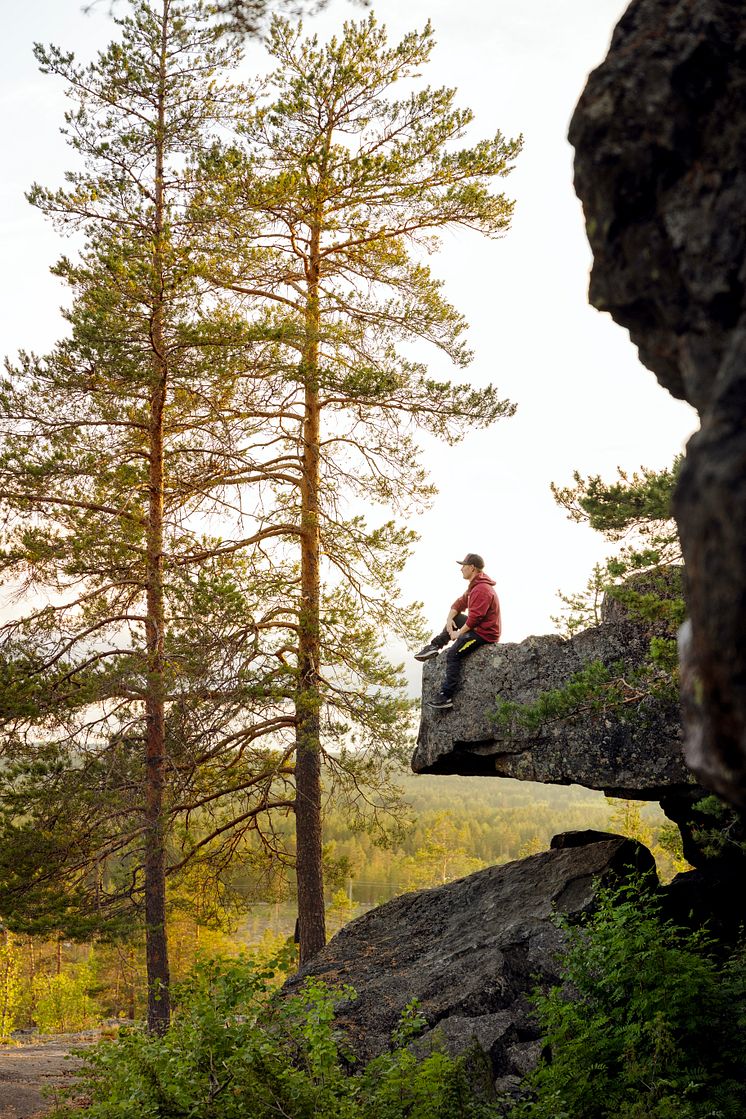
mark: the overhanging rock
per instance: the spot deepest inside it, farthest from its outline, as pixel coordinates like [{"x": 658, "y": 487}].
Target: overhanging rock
[{"x": 635, "y": 752}]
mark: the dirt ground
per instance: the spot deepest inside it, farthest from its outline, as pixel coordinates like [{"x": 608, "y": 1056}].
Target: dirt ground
[{"x": 30, "y": 1074}]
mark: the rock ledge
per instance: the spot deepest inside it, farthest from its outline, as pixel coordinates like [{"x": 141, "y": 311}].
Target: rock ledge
[{"x": 634, "y": 754}]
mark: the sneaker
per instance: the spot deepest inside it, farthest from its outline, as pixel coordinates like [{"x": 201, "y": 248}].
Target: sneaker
[
  {"x": 441, "y": 702},
  {"x": 427, "y": 653}
]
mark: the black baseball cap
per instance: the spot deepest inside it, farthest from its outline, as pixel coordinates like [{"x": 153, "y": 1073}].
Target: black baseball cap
[{"x": 473, "y": 559}]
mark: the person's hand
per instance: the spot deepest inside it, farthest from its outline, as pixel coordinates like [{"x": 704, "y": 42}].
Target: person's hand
[{"x": 452, "y": 631}]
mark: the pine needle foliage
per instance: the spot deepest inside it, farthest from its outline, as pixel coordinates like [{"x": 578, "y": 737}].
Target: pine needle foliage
[
  {"x": 135, "y": 647},
  {"x": 635, "y": 512},
  {"x": 321, "y": 219},
  {"x": 202, "y": 604}
]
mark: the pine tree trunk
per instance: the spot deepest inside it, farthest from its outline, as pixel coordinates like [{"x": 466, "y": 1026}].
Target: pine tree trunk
[
  {"x": 132, "y": 989},
  {"x": 156, "y": 946},
  {"x": 309, "y": 872}
]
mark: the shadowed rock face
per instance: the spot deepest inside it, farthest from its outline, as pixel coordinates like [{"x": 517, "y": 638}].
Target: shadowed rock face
[
  {"x": 634, "y": 754},
  {"x": 470, "y": 952},
  {"x": 660, "y": 166}
]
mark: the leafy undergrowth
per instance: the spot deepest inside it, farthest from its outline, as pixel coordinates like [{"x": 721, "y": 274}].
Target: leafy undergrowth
[
  {"x": 236, "y": 1051},
  {"x": 648, "y": 1023}
]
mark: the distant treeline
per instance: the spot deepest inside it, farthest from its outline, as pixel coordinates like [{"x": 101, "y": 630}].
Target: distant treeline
[{"x": 459, "y": 824}]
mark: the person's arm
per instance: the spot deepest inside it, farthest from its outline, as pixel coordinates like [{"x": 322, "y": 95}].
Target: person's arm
[
  {"x": 479, "y": 603},
  {"x": 450, "y": 627},
  {"x": 458, "y": 607}
]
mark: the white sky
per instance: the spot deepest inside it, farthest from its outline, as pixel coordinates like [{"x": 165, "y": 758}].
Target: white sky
[{"x": 584, "y": 400}]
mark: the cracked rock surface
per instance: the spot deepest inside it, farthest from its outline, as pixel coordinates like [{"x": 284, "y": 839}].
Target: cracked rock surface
[
  {"x": 470, "y": 952},
  {"x": 660, "y": 167}
]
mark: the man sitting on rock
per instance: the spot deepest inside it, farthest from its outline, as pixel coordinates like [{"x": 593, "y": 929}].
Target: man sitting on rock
[{"x": 480, "y": 625}]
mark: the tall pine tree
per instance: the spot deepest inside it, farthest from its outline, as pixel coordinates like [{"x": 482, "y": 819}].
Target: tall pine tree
[
  {"x": 139, "y": 665},
  {"x": 322, "y": 216}
]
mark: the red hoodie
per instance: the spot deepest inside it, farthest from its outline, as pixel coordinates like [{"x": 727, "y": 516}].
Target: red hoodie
[{"x": 483, "y": 606}]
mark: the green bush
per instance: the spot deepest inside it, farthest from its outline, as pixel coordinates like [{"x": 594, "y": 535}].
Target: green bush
[
  {"x": 10, "y": 988},
  {"x": 647, "y": 1025},
  {"x": 236, "y": 1051},
  {"x": 63, "y": 1003}
]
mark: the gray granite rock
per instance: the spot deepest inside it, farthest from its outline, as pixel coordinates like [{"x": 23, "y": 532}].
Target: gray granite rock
[
  {"x": 459, "y": 1033},
  {"x": 469, "y": 952},
  {"x": 636, "y": 753},
  {"x": 660, "y": 166},
  {"x": 524, "y": 1056},
  {"x": 508, "y": 1088}
]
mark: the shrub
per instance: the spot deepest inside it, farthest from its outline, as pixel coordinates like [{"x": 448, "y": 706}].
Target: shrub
[
  {"x": 647, "y": 1025},
  {"x": 9, "y": 984},
  {"x": 62, "y": 1002},
  {"x": 235, "y": 1050}
]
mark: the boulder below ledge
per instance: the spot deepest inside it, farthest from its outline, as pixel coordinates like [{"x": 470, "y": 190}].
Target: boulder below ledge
[
  {"x": 633, "y": 753},
  {"x": 470, "y": 952}
]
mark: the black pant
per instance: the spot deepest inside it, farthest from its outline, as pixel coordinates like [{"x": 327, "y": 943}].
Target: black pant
[{"x": 457, "y": 653}]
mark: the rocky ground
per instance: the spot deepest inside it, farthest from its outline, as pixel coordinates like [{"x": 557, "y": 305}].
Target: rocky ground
[{"x": 33, "y": 1073}]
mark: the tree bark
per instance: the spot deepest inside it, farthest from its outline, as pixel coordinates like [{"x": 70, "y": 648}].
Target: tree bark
[
  {"x": 156, "y": 945},
  {"x": 309, "y": 871}
]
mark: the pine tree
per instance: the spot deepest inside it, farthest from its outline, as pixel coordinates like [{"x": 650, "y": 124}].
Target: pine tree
[
  {"x": 142, "y": 680},
  {"x": 328, "y": 207},
  {"x": 644, "y": 574}
]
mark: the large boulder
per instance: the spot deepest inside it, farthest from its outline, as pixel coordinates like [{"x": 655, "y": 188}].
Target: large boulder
[
  {"x": 660, "y": 167},
  {"x": 632, "y": 752},
  {"x": 470, "y": 952}
]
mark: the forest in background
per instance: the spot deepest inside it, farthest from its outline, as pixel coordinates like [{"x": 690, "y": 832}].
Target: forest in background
[{"x": 454, "y": 826}]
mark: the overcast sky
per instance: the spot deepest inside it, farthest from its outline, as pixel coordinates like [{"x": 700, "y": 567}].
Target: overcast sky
[{"x": 584, "y": 400}]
